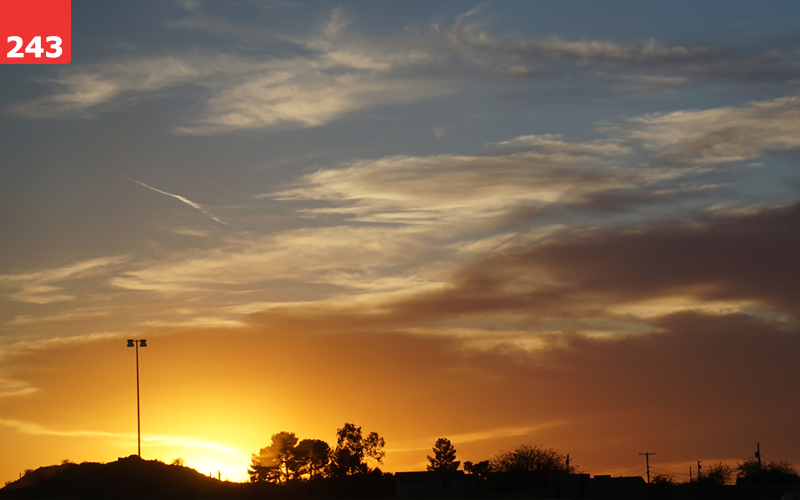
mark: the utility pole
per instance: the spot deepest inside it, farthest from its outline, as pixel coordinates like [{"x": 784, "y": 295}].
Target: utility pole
[
  {"x": 137, "y": 343},
  {"x": 647, "y": 461},
  {"x": 699, "y": 470},
  {"x": 690, "y": 473},
  {"x": 567, "y": 463},
  {"x": 758, "y": 455}
]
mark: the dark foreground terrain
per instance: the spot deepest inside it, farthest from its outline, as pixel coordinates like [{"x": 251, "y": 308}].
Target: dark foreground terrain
[
  {"x": 136, "y": 479},
  {"x": 129, "y": 477}
]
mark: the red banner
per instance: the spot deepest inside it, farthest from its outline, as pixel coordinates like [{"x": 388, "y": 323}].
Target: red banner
[{"x": 36, "y": 31}]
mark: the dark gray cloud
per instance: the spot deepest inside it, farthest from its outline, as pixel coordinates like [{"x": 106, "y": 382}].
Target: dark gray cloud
[
  {"x": 719, "y": 257},
  {"x": 748, "y": 257}
]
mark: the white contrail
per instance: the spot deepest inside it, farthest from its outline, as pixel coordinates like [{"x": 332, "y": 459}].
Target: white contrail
[{"x": 178, "y": 197}]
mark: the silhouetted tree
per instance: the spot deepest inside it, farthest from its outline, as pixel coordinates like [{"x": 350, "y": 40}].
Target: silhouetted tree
[
  {"x": 530, "y": 459},
  {"x": 312, "y": 456},
  {"x": 663, "y": 480},
  {"x": 716, "y": 475},
  {"x": 275, "y": 463},
  {"x": 481, "y": 469},
  {"x": 770, "y": 472},
  {"x": 352, "y": 450},
  {"x": 444, "y": 456},
  {"x": 178, "y": 461},
  {"x": 256, "y": 472}
]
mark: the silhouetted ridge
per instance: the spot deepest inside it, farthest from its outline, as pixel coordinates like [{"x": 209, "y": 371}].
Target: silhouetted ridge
[
  {"x": 129, "y": 477},
  {"x": 132, "y": 478}
]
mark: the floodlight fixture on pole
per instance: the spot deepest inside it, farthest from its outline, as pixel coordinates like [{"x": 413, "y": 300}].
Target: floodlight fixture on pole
[{"x": 136, "y": 343}]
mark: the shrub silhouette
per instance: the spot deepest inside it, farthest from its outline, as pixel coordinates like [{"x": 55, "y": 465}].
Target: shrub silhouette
[
  {"x": 531, "y": 459},
  {"x": 771, "y": 472}
]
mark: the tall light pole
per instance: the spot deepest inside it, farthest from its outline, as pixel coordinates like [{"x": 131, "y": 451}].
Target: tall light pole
[{"x": 136, "y": 343}]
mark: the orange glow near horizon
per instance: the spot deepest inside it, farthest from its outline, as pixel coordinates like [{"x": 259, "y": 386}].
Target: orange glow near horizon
[{"x": 216, "y": 415}]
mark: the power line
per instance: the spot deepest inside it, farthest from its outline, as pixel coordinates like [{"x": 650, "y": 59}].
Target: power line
[{"x": 634, "y": 471}]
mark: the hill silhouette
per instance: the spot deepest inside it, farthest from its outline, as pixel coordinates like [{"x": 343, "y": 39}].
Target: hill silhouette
[
  {"x": 126, "y": 478},
  {"x": 132, "y": 478}
]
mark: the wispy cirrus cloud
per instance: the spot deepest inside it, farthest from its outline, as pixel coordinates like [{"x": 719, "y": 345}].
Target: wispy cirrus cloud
[
  {"x": 468, "y": 36},
  {"x": 50, "y": 341},
  {"x": 87, "y": 88},
  {"x": 649, "y": 159},
  {"x": 434, "y": 214},
  {"x": 340, "y": 74},
  {"x": 331, "y": 78},
  {"x": 555, "y": 143},
  {"x": 43, "y": 287},
  {"x": 541, "y": 172},
  {"x": 332, "y": 70},
  {"x": 10, "y": 388},
  {"x": 239, "y": 92},
  {"x": 153, "y": 440},
  {"x": 442, "y": 210},
  {"x": 41, "y": 430},
  {"x": 451, "y": 189},
  {"x": 634, "y": 66},
  {"x": 78, "y": 314},
  {"x": 719, "y": 135},
  {"x": 347, "y": 257},
  {"x": 293, "y": 94}
]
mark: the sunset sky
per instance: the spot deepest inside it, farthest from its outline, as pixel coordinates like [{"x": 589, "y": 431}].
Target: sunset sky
[{"x": 575, "y": 224}]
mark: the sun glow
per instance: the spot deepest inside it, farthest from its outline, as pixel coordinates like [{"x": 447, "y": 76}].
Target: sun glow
[{"x": 217, "y": 466}]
